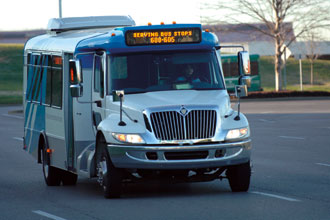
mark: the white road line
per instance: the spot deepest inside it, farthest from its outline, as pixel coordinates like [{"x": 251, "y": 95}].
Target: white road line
[
  {"x": 291, "y": 137},
  {"x": 12, "y": 116},
  {"x": 276, "y": 196},
  {"x": 268, "y": 121},
  {"x": 323, "y": 164},
  {"x": 18, "y": 138},
  {"x": 45, "y": 214},
  {"x": 266, "y": 112}
]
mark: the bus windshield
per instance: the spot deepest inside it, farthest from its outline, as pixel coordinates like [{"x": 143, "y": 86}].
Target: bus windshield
[{"x": 138, "y": 73}]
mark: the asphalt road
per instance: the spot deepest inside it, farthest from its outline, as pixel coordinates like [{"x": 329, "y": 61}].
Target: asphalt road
[{"x": 291, "y": 176}]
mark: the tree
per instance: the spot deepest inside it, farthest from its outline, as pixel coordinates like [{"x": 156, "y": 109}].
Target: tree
[
  {"x": 312, "y": 48},
  {"x": 305, "y": 14}
]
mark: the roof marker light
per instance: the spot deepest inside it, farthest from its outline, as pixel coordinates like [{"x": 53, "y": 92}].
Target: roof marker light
[
  {"x": 113, "y": 34},
  {"x": 149, "y": 24},
  {"x": 173, "y": 22},
  {"x": 162, "y": 23},
  {"x": 207, "y": 30}
]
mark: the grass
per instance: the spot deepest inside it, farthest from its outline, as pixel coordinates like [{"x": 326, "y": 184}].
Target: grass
[
  {"x": 11, "y": 72},
  {"x": 10, "y": 99},
  {"x": 321, "y": 74}
]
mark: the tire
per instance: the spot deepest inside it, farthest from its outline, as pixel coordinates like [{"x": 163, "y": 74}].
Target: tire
[
  {"x": 109, "y": 177},
  {"x": 52, "y": 175},
  {"x": 68, "y": 178},
  {"x": 239, "y": 177}
]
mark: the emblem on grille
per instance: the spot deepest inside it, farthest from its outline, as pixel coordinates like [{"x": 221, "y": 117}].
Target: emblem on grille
[{"x": 183, "y": 111}]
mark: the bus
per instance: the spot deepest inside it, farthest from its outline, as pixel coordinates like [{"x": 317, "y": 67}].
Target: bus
[
  {"x": 120, "y": 103},
  {"x": 230, "y": 66}
]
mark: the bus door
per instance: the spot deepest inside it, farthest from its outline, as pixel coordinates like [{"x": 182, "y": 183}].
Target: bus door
[
  {"x": 83, "y": 131},
  {"x": 68, "y": 116},
  {"x": 98, "y": 91}
]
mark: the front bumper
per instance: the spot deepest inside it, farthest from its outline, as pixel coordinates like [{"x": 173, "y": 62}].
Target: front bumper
[{"x": 180, "y": 156}]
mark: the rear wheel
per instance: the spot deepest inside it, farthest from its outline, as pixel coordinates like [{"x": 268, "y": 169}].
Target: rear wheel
[
  {"x": 109, "y": 177},
  {"x": 52, "y": 175},
  {"x": 239, "y": 177}
]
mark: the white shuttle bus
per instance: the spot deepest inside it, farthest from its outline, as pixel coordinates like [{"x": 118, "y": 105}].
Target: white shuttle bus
[{"x": 122, "y": 103}]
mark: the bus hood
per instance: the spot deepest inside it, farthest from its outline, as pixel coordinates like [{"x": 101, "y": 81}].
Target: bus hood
[{"x": 140, "y": 102}]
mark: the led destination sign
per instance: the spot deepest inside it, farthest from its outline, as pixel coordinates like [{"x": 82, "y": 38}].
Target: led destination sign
[{"x": 168, "y": 36}]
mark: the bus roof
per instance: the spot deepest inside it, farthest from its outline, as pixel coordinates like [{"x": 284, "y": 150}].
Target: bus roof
[
  {"x": 78, "y": 23},
  {"x": 116, "y": 41},
  {"x": 76, "y": 39}
]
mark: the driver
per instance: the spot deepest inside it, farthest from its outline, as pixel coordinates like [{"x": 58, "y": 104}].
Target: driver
[{"x": 189, "y": 75}]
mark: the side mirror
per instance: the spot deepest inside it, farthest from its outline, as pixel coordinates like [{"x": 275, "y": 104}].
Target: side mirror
[
  {"x": 76, "y": 90},
  {"x": 245, "y": 80},
  {"x": 244, "y": 63},
  {"x": 75, "y": 78},
  {"x": 244, "y": 68},
  {"x": 241, "y": 91},
  {"x": 118, "y": 95}
]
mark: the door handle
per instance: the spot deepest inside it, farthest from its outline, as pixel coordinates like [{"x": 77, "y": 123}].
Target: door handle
[{"x": 98, "y": 103}]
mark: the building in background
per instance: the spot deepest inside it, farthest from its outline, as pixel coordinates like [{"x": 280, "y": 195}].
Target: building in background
[
  {"x": 258, "y": 43},
  {"x": 229, "y": 34}
]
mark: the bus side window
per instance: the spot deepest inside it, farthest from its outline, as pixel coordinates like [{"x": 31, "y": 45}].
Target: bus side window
[
  {"x": 30, "y": 76},
  {"x": 48, "y": 75},
  {"x": 98, "y": 76},
  {"x": 226, "y": 69},
  {"x": 57, "y": 81},
  {"x": 254, "y": 68},
  {"x": 37, "y": 78}
]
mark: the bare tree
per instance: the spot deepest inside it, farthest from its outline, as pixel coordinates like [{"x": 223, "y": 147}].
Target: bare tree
[
  {"x": 312, "y": 48},
  {"x": 305, "y": 14}
]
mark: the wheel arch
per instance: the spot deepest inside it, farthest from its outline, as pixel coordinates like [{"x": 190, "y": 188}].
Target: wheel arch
[
  {"x": 99, "y": 136},
  {"x": 42, "y": 142}
]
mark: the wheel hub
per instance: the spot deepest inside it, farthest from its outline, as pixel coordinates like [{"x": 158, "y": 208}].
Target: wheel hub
[{"x": 101, "y": 170}]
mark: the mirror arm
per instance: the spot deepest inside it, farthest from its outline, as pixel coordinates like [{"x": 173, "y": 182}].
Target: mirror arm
[
  {"x": 121, "y": 122},
  {"x": 237, "y": 118}
]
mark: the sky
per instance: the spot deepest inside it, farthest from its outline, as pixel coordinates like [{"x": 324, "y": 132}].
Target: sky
[{"x": 34, "y": 14}]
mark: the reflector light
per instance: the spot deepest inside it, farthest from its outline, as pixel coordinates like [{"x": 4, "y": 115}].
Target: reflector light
[
  {"x": 50, "y": 151},
  {"x": 113, "y": 34},
  {"x": 72, "y": 75}
]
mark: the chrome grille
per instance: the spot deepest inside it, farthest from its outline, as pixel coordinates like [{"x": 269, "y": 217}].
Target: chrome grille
[{"x": 196, "y": 124}]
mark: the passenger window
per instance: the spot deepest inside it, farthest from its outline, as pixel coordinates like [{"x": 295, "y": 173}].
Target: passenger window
[
  {"x": 99, "y": 76},
  {"x": 48, "y": 74},
  {"x": 56, "y": 81},
  {"x": 37, "y": 79}
]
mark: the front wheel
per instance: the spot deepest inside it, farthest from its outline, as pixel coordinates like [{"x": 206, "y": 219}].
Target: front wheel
[
  {"x": 239, "y": 177},
  {"x": 109, "y": 177}
]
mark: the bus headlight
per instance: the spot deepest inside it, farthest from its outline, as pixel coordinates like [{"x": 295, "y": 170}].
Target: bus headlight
[
  {"x": 237, "y": 133},
  {"x": 128, "y": 138}
]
